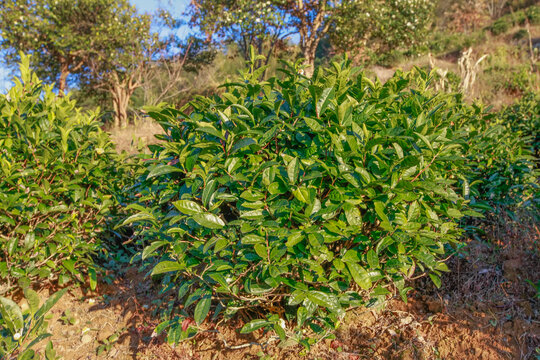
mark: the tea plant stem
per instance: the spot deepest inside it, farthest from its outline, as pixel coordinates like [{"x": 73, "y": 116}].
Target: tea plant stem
[{"x": 424, "y": 169}]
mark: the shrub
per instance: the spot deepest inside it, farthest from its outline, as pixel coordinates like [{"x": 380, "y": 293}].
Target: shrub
[
  {"x": 441, "y": 42},
  {"x": 523, "y": 119},
  {"x": 502, "y": 157},
  {"x": 57, "y": 185},
  {"x": 533, "y": 14},
  {"x": 21, "y": 330},
  {"x": 291, "y": 200},
  {"x": 505, "y": 22},
  {"x": 500, "y": 26}
]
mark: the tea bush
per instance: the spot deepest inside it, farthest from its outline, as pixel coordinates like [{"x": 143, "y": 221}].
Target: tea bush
[
  {"x": 502, "y": 150},
  {"x": 500, "y": 26},
  {"x": 523, "y": 119},
  {"x": 21, "y": 330},
  {"x": 57, "y": 185},
  {"x": 293, "y": 199}
]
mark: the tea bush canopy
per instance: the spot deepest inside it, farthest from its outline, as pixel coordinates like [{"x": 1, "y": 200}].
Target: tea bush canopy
[
  {"x": 304, "y": 195},
  {"x": 57, "y": 187}
]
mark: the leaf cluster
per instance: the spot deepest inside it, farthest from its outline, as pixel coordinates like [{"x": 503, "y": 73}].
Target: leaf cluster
[
  {"x": 503, "y": 157},
  {"x": 292, "y": 200},
  {"x": 21, "y": 330},
  {"x": 57, "y": 190}
]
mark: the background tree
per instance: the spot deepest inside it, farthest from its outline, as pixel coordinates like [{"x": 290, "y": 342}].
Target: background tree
[
  {"x": 380, "y": 26},
  {"x": 265, "y": 23},
  {"x": 312, "y": 20},
  {"x": 62, "y": 35},
  {"x": 165, "y": 75},
  {"x": 117, "y": 66},
  {"x": 247, "y": 23},
  {"x": 102, "y": 43}
]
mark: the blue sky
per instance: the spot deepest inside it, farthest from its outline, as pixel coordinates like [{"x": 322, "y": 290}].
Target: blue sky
[{"x": 177, "y": 7}]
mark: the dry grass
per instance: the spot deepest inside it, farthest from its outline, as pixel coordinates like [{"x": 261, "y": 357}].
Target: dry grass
[{"x": 136, "y": 137}]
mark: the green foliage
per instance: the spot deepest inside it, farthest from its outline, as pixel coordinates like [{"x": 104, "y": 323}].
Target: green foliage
[
  {"x": 505, "y": 22},
  {"x": 247, "y": 23},
  {"x": 57, "y": 188},
  {"x": 523, "y": 117},
  {"x": 107, "y": 344},
  {"x": 503, "y": 150},
  {"x": 21, "y": 330},
  {"x": 443, "y": 41},
  {"x": 500, "y": 26},
  {"x": 533, "y": 14},
  {"x": 294, "y": 199},
  {"x": 66, "y": 37},
  {"x": 382, "y": 26},
  {"x": 508, "y": 71}
]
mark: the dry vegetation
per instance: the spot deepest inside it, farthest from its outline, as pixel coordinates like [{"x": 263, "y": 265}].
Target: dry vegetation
[{"x": 135, "y": 137}]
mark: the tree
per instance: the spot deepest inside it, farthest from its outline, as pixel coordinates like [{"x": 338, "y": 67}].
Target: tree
[
  {"x": 247, "y": 23},
  {"x": 351, "y": 25},
  {"x": 117, "y": 66},
  {"x": 99, "y": 42},
  {"x": 380, "y": 25},
  {"x": 258, "y": 22},
  {"x": 165, "y": 76},
  {"x": 311, "y": 19}
]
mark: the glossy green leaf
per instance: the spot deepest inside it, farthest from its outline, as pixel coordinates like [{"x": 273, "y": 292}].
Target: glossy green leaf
[
  {"x": 203, "y": 307},
  {"x": 160, "y": 170},
  {"x": 209, "y": 220},
  {"x": 360, "y": 275},
  {"x": 293, "y": 169},
  {"x": 254, "y": 325},
  {"x": 165, "y": 267},
  {"x": 188, "y": 207},
  {"x": 11, "y": 314}
]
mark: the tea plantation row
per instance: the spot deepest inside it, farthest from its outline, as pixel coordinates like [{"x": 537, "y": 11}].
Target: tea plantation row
[{"x": 289, "y": 200}]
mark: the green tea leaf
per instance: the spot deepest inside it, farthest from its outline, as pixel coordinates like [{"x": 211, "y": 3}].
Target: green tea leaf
[
  {"x": 203, "y": 307},
  {"x": 209, "y": 220},
  {"x": 188, "y": 207},
  {"x": 33, "y": 300},
  {"x": 254, "y": 325},
  {"x": 360, "y": 275},
  {"x": 149, "y": 250},
  {"x": 293, "y": 169},
  {"x": 165, "y": 267},
  {"x": 11, "y": 314},
  {"x": 160, "y": 170}
]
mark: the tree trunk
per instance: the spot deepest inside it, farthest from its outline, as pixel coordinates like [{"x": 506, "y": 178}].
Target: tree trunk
[
  {"x": 121, "y": 91},
  {"x": 309, "y": 61},
  {"x": 120, "y": 97},
  {"x": 311, "y": 31},
  {"x": 309, "y": 48},
  {"x": 64, "y": 72}
]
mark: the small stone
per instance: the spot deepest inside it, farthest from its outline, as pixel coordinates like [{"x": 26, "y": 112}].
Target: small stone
[{"x": 86, "y": 339}]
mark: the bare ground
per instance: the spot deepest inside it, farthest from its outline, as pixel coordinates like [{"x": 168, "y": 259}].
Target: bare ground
[{"x": 485, "y": 310}]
